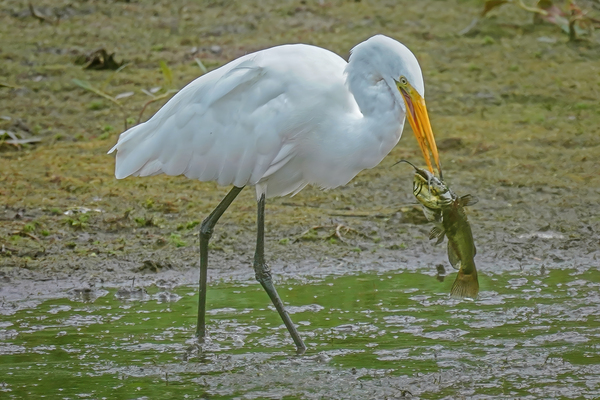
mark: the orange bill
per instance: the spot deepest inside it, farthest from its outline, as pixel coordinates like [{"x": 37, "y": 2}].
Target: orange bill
[{"x": 419, "y": 121}]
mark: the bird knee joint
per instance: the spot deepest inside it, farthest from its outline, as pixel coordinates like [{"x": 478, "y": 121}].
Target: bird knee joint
[
  {"x": 262, "y": 273},
  {"x": 206, "y": 229}
]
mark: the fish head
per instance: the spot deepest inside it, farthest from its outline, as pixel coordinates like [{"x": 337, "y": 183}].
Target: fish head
[{"x": 430, "y": 191}]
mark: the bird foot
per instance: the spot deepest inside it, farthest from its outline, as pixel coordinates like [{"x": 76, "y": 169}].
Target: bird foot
[{"x": 194, "y": 350}]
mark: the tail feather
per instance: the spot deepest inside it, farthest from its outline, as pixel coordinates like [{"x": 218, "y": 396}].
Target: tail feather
[
  {"x": 135, "y": 151},
  {"x": 465, "y": 285}
]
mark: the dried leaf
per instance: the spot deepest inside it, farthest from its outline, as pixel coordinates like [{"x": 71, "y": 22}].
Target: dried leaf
[
  {"x": 10, "y": 134},
  {"x": 554, "y": 14},
  {"x": 147, "y": 93},
  {"x": 575, "y": 25},
  {"x": 98, "y": 60},
  {"x": 23, "y": 141},
  {"x": 14, "y": 139},
  {"x": 491, "y": 4},
  {"x": 124, "y": 95}
]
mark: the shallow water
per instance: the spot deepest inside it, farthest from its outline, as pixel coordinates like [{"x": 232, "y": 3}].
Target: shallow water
[{"x": 534, "y": 336}]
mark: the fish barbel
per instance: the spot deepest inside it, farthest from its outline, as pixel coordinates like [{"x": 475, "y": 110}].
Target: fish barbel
[{"x": 444, "y": 208}]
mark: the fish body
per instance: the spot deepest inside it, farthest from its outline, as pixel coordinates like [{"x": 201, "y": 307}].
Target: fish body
[{"x": 447, "y": 211}]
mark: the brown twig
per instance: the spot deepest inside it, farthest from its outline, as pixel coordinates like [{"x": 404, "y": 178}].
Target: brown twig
[
  {"x": 27, "y": 234},
  {"x": 8, "y": 85},
  {"x": 336, "y": 233},
  {"x": 536, "y": 10},
  {"x": 157, "y": 98},
  {"x": 378, "y": 215}
]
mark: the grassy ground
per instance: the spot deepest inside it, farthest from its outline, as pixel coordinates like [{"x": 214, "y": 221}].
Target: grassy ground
[{"x": 513, "y": 105}]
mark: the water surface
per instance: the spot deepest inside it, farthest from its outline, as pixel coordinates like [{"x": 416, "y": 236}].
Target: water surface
[{"x": 535, "y": 336}]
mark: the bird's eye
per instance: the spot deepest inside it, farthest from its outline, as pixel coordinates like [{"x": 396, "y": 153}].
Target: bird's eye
[{"x": 403, "y": 80}]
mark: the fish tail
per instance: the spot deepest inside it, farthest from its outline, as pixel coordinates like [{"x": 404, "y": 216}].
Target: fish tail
[{"x": 465, "y": 285}]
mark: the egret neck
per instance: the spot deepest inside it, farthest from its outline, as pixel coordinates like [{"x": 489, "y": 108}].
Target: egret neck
[{"x": 386, "y": 87}]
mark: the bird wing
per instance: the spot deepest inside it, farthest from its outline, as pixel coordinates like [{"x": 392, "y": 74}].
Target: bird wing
[{"x": 226, "y": 126}]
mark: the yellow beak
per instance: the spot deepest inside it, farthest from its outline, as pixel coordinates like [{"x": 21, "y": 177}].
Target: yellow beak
[{"x": 416, "y": 112}]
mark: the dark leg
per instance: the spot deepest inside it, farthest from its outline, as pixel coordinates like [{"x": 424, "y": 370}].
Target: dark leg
[
  {"x": 263, "y": 275},
  {"x": 206, "y": 230}
]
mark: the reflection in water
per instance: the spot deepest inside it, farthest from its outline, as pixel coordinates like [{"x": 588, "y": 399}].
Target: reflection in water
[
  {"x": 369, "y": 336},
  {"x": 441, "y": 272}
]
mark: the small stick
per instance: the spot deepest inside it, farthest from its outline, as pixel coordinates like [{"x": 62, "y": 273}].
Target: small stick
[
  {"x": 157, "y": 98},
  {"x": 532, "y": 9},
  {"x": 27, "y": 234}
]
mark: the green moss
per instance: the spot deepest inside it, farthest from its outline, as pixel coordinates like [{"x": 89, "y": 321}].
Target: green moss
[
  {"x": 96, "y": 105},
  {"x": 145, "y": 221},
  {"x": 30, "y": 227},
  {"x": 584, "y": 106},
  {"x": 487, "y": 40},
  {"x": 176, "y": 240},
  {"x": 192, "y": 224},
  {"x": 77, "y": 221}
]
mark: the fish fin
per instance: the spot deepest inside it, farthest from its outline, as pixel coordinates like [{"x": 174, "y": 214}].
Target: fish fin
[
  {"x": 468, "y": 200},
  {"x": 453, "y": 257},
  {"x": 440, "y": 239},
  {"x": 431, "y": 214},
  {"x": 465, "y": 285},
  {"x": 437, "y": 232}
]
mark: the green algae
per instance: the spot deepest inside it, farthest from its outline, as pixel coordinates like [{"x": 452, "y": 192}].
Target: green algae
[
  {"x": 524, "y": 118},
  {"x": 528, "y": 335}
]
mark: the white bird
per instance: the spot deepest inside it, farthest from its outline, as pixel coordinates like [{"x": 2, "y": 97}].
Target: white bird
[{"x": 280, "y": 119}]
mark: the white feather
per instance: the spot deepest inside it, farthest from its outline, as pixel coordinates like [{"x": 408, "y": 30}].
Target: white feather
[{"x": 280, "y": 119}]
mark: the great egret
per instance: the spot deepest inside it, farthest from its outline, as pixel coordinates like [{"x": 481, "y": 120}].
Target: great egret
[{"x": 280, "y": 119}]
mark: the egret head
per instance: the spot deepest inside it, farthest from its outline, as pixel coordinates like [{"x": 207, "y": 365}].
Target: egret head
[{"x": 389, "y": 61}]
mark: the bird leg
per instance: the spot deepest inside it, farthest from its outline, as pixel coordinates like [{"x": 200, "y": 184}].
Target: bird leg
[
  {"x": 263, "y": 275},
  {"x": 206, "y": 230}
]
